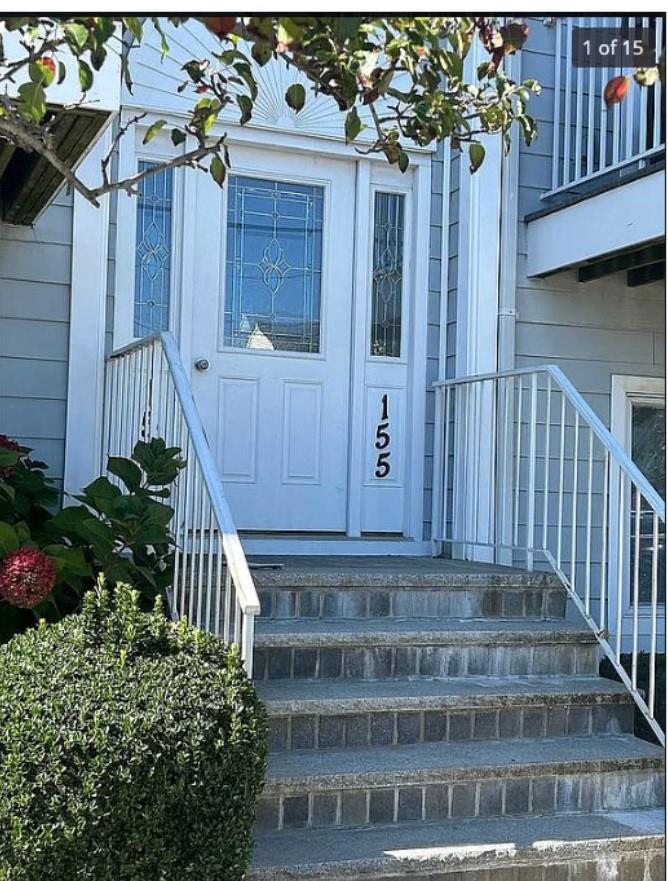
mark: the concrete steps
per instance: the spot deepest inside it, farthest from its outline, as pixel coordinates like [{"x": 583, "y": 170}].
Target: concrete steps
[
  {"x": 393, "y": 711},
  {"x": 375, "y": 648},
  {"x": 624, "y": 846},
  {"x": 372, "y": 786},
  {"x": 444, "y": 721}
]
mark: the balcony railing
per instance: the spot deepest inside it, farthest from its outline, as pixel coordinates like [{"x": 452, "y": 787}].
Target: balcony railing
[
  {"x": 147, "y": 394},
  {"x": 590, "y": 141},
  {"x": 526, "y": 474}
]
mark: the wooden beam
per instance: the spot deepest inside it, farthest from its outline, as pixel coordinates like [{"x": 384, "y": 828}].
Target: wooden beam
[
  {"x": 620, "y": 262},
  {"x": 646, "y": 274}
]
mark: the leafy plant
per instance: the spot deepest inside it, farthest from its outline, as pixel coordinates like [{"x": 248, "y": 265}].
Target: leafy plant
[
  {"x": 402, "y": 78},
  {"x": 120, "y": 530},
  {"x": 133, "y": 749}
]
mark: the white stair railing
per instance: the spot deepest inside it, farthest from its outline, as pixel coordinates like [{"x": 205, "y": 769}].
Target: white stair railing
[
  {"x": 588, "y": 140},
  {"x": 526, "y": 474},
  {"x": 148, "y": 395}
]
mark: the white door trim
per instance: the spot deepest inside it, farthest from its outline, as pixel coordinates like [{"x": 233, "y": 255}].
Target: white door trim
[
  {"x": 88, "y": 298},
  {"x": 477, "y": 326},
  {"x": 625, "y": 390}
]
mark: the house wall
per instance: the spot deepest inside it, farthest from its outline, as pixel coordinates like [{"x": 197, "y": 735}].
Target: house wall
[{"x": 35, "y": 275}]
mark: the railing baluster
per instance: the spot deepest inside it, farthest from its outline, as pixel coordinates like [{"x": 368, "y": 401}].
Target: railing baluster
[
  {"x": 591, "y": 98},
  {"x": 556, "y": 127},
  {"x": 531, "y": 488},
  {"x": 590, "y": 479},
  {"x": 574, "y": 511},
  {"x": 579, "y": 89},
  {"x": 621, "y": 537},
  {"x": 636, "y": 588},
  {"x": 546, "y": 483},
  {"x": 518, "y": 458},
  {"x": 603, "y": 620},
  {"x": 658, "y": 88},
  {"x": 654, "y": 615},
  {"x": 568, "y": 102},
  {"x": 446, "y": 459},
  {"x": 562, "y": 451}
]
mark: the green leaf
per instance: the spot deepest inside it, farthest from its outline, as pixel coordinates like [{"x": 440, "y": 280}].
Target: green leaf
[
  {"x": 9, "y": 540},
  {"x": 62, "y": 72},
  {"x": 9, "y": 457},
  {"x": 76, "y": 35},
  {"x": 218, "y": 170},
  {"x": 85, "y": 76},
  {"x": 246, "y": 107},
  {"x": 98, "y": 57},
  {"x": 32, "y": 102},
  {"x": 289, "y": 31},
  {"x": 135, "y": 27},
  {"x": 101, "y": 488},
  {"x": 128, "y": 472},
  {"x": 476, "y": 156},
  {"x": 295, "y": 97},
  {"x": 353, "y": 125},
  {"x": 403, "y": 161},
  {"x": 178, "y": 137},
  {"x": 153, "y": 130},
  {"x": 261, "y": 53}
]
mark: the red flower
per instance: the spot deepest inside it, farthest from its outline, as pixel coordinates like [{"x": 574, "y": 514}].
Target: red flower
[
  {"x": 27, "y": 575},
  {"x": 8, "y": 444}
]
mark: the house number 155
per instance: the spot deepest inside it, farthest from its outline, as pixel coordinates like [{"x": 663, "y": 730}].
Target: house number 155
[{"x": 382, "y": 443}]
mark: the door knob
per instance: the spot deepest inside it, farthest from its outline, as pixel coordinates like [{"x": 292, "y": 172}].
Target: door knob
[{"x": 201, "y": 364}]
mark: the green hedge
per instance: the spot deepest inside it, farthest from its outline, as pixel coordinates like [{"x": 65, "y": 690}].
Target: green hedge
[{"x": 132, "y": 749}]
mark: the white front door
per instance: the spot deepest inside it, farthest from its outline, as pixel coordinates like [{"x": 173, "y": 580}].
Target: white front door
[{"x": 272, "y": 297}]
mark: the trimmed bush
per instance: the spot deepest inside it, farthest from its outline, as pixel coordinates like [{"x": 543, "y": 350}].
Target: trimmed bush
[{"x": 131, "y": 749}]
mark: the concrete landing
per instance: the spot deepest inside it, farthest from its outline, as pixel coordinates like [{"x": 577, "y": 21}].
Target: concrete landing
[{"x": 317, "y": 571}]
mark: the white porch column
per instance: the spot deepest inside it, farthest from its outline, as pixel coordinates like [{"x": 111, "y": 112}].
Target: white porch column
[
  {"x": 90, "y": 232},
  {"x": 477, "y": 333}
]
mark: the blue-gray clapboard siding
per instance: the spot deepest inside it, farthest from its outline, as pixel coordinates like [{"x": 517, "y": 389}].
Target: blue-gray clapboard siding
[{"x": 35, "y": 274}]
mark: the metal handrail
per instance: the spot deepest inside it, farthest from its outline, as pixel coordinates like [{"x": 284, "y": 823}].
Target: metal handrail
[
  {"x": 525, "y": 470},
  {"x": 622, "y": 458},
  {"x": 148, "y": 393}
]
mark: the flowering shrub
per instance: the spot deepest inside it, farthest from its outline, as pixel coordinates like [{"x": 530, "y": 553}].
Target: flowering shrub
[
  {"x": 49, "y": 559},
  {"x": 132, "y": 749},
  {"x": 27, "y": 576}
]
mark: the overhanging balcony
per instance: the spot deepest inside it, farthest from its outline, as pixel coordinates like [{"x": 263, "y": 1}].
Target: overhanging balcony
[{"x": 607, "y": 194}]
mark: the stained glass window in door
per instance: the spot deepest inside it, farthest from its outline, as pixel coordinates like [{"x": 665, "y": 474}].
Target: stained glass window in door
[
  {"x": 648, "y": 451},
  {"x": 273, "y": 272},
  {"x": 387, "y": 274},
  {"x": 153, "y": 252}
]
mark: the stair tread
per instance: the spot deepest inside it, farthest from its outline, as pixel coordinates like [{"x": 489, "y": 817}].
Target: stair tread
[
  {"x": 431, "y": 847},
  {"x": 359, "y": 695},
  {"x": 393, "y": 764},
  {"x": 341, "y": 631}
]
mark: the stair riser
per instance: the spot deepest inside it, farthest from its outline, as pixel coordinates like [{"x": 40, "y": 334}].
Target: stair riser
[
  {"x": 488, "y": 797},
  {"x": 381, "y": 662},
  {"x": 310, "y": 731},
  {"x": 472, "y": 602},
  {"x": 645, "y": 865}
]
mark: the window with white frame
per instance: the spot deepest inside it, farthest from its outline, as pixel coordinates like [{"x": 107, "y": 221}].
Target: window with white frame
[{"x": 153, "y": 251}]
